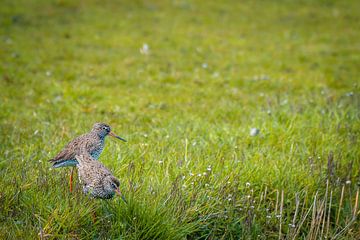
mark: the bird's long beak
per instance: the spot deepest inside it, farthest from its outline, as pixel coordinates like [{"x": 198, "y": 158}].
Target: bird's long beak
[
  {"x": 118, "y": 192},
  {"x": 116, "y": 136}
]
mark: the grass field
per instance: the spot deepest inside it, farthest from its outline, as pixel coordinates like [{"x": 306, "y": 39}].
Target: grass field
[{"x": 184, "y": 82}]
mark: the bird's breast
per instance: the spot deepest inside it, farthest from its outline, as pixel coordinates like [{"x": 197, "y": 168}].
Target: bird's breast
[{"x": 98, "y": 150}]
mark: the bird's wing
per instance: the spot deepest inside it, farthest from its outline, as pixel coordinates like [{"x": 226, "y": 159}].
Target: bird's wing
[
  {"x": 69, "y": 151},
  {"x": 91, "y": 145}
]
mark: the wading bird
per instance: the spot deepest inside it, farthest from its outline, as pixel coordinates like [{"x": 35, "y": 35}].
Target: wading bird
[
  {"x": 92, "y": 142},
  {"x": 97, "y": 180}
]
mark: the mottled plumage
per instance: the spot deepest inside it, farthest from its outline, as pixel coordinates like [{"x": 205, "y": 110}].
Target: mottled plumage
[
  {"x": 96, "y": 179},
  {"x": 93, "y": 142}
]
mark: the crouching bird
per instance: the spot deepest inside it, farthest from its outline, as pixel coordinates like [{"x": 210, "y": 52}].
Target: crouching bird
[
  {"x": 97, "y": 180},
  {"x": 92, "y": 142}
]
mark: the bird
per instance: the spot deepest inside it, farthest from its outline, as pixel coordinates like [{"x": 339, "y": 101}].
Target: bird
[
  {"x": 97, "y": 180},
  {"x": 93, "y": 142}
]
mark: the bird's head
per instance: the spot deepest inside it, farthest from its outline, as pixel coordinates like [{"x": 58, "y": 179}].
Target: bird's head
[
  {"x": 102, "y": 130},
  {"x": 112, "y": 184}
]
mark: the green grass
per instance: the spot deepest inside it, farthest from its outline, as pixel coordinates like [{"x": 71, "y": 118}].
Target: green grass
[{"x": 215, "y": 70}]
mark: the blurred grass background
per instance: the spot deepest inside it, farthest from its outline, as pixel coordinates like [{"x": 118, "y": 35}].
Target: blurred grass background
[{"x": 183, "y": 82}]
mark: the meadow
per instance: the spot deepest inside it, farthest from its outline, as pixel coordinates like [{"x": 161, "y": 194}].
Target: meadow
[{"x": 186, "y": 83}]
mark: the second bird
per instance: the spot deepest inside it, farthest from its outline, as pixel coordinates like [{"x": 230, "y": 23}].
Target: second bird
[{"x": 96, "y": 179}]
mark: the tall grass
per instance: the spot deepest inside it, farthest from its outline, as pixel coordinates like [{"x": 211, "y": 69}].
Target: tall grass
[{"x": 191, "y": 169}]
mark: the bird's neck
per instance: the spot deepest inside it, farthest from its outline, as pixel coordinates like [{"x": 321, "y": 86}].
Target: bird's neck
[{"x": 101, "y": 137}]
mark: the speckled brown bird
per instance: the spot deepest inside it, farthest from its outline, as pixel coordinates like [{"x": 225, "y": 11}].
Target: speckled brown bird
[
  {"x": 97, "y": 180},
  {"x": 93, "y": 143}
]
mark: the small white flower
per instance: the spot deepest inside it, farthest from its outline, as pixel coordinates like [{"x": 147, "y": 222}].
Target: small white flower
[
  {"x": 268, "y": 216},
  {"x": 284, "y": 102},
  {"x": 161, "y": 162},
  {"x": 278, "y": 216},
  {"x": 229, "y": 199},
  {"x": 145, "y": 49},
  {"x": 254, "y": 132},
  {"x": 228, "y": 182},
  {"x": 247, "y": 184},
  {"x": 207, "y": 185},
  {"x": 264, "y": 77},
  {"x": 348, "y": 182},
  {"x": 204, "y": 173},
  {"x": 199, "y": 175},
  {"x": 216, "y": 75},
  {"x": 209, "y": 168}
]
